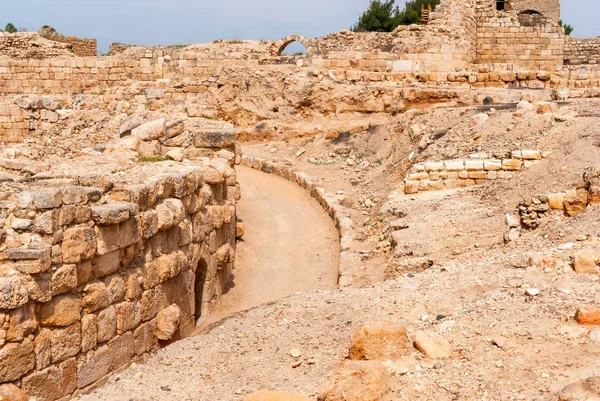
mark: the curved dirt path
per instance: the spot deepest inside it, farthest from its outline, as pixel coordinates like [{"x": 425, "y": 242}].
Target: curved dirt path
[{"x": 290, "y": 245}]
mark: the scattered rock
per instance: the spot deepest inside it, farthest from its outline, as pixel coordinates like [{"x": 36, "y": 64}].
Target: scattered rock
[
  {"x": 587, "y": 390},
  {"x": 357, "y": 381},
  {"x": 588, "y": 315},
  {"x": 433, "y": 345},
  {"x": 379, "y": 341}
]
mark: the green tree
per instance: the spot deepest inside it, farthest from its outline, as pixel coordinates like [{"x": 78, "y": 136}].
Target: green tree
[
  {"x": 10, "y": 28},
  {"x": 568, "y": 28},
  {"x": 385, "y": 17}
]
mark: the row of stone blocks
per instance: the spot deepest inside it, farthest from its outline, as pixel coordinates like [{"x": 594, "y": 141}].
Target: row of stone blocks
[
  {"x": 340, "y": 215},
  {"x": 451, "y": 174},
  {"x": 101, "y": 273}
]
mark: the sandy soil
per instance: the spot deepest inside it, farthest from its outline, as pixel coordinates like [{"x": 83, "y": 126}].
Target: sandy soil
[{"x": 290, "y": 245}]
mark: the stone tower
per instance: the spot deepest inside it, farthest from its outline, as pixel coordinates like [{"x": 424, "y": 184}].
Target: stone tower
[{"x": 549, "y": 9}]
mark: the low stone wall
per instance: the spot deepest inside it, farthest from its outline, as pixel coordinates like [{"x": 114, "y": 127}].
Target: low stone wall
[
  {"x": 480, "y": 168},
  {"x": 582, "y": 51},
  {"x": 340, "y": 215},
  {"x": 99, "y": 270}
]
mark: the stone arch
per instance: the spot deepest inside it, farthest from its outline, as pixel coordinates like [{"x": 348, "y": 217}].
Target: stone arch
[
  {"x": 531, "y": 18},
  {"x": 280, "y": 45}
]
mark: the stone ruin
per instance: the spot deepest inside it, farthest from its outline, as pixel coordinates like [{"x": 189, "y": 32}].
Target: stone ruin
[{"x": 118, "y": 186}]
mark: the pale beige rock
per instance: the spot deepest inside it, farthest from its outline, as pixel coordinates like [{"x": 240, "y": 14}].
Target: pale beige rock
[
  {"x": 431, "y": 344},
  {"x": 167, "y": 323},
  {"x": 79, "y": 243},
  {"x": 587, "y": 262},
  {"x": 379, "y": 341},
  {"x": 556, "y": 200}
]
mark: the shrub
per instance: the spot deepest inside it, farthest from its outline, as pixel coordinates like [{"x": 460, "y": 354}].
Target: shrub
[{"x": 10, "y": 28}]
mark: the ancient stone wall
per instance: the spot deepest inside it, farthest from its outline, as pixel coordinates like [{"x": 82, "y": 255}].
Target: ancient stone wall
[
  {"x": 503, "y": 39},
  {"x": 480, "y": 168},
  {"x": 582, "y": 51},
  {"x": 98, "y": 269},
  {"x": 548, "y": 8}
]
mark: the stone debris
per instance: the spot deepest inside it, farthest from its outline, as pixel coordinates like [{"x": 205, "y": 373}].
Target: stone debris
[
  {"x": 379, "y": 341},
  {"x": 357, "y": 381},
  {"x": 431, "y": 344},
  {"x": 587, "y": 390}
]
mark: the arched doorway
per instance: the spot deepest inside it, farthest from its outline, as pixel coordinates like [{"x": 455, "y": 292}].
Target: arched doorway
[
  {"x": 292, "y": 45},
  {"x": 531, "y": 18}
]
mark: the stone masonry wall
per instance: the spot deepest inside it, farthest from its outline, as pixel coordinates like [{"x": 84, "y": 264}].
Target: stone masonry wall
[
  {"x": 582, "y": 51},
  {"x": 99, "y": 270},
  {"x": 479, "y": 168}
]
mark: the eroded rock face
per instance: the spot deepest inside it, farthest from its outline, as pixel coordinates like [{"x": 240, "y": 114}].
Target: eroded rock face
[
  {"x": 379, "y": 341},
  {"x": 587, "y": 390},
  {"x": 10, "y": 392}
]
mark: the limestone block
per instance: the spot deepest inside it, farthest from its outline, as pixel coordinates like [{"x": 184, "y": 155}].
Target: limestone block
[
  {"x": 454, "y": 165},
  {"x": 451, "y": 183},
  {"x": 556, "y": 201},
  {"x": 128, "y": 125},
  {"x": 10, "y": 392},
  {"x": 531, "y": 154},
  {"x": 89, "y": 332},
  {"x": 112, "y": 213},
  {"x": 477, "y": 175},
  {"x": 106, "y": 264},
  {"x": 432, "y": 344},
  {"x": 65, "y": 343},
  {"x": 95, "y": 297},
  {"x": 200, "y": 110},
  {"x": 511, "y": 164},
  {"x": 167, "y": 323},
  {"x": 30, "y": 260},
  {"x": 22, "y": 322},
  {"x": 175, "y": 155},
  {"x": 115, "y": 287},
  {"x": 587, "y": 390},
  {"x": 117, "y": 236},
  {"x": 480, "y": 118},
  {"x": 145, "y": 337},
  {"x": 588, "y": 315},
  {"x": 151, "y": 130},
  {"x": 418, "y": 176},
  {"x": 546, "y": 107},
  {"x": 149, "y": 223},
  {"x": 575, "y": 202},
  {"x": 170, "y": 212},
  {"x": 128, "y": 316},
  {"x": 379, "y": 341},
  {"x": 492, "y": 165},
  {"x": 121, "y": 350},
  {"x": 155, "y": 93},
  {"x": 63, "y": 310},
  {"x": 16, "y": 360},
  {"x": 465, "y": 183},
  {"x": 93, "y": 366},
  {"x": 107, "y": 324},
  {"x": 434, "y": 166},
  {"x": 357, "y": 381},
  {"x": 525, "y": 105},
  {"x": 153, "y": 300},
  {"x": 64, "y": 279},
  {"x": 48, "y": 198},
  {"x": 276, "y": 396},
  {"x": 587, "y": 262},
  {"x": 52, "y": 383},
  {"x": 411, "y": 187},
  {"x": 79, "y": 243},
  {"x": 164, "y": 268}
]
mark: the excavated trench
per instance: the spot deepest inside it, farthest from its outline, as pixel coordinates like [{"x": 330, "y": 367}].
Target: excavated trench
[{"x": 290, "y": 245}]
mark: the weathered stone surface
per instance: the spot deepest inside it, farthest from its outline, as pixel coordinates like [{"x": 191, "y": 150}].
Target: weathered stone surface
[
  {"x": 431, "y": 344},
  {"x": 587, "y": 262},
  {"x": 145, "y": 337},
  {"x": 95, "y": 297},
  {"x": 12, "y": 292},
  {"x": 276, "y": 396},
  {"x": 66, "y": 342},
  {"x": 587, "y": 390},
  {"x": 107, "y": 324},
  {"x": 575, "y": 202},
  {"x": 588, "y": 315},
  {"x": 22, "y": 322},
  {"x": 16, "y": 360},
  {"x": 128, "y": 316},
  {"x": 167, "y": 323},
  {"x": 52, "y": 383},
  {"x": 556, "y": 201},
  {"x": 10, "y": 392},
  {"x": 89, "y": 332},
  {"x": 112, "y": 213},
  {"x": 93, "y": 366},
  {"x": 151, "y": 130},
  {"x": 79, "y": 243},
  {"x": 61, "y": 311},
  {"x": 379, "y": 341},
  {"x": 129, "y": 124},
  {"x": 106, "y": 264},
  {"x": 64, "y": 279},
  {"x": 169, "y": 212},
  {"x": 121, "y": 350},
  {"x": 357, "y": 381}
]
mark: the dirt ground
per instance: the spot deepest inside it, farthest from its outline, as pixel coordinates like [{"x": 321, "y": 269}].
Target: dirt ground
[{"x": 446, "y": 270}]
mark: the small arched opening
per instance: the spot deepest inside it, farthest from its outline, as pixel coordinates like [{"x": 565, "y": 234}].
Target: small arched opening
[
  {"x": 531, "y": 18},
  {"x": 503, "y": 5},
  {"x": 292, "y": 48}
]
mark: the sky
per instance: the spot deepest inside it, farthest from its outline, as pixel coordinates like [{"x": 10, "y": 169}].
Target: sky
[{"x": 167, "y": 22}]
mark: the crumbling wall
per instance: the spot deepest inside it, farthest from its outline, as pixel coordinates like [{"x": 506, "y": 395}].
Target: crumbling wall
[
  {"x": 98, "y": 270},
  {"x": 548, "y": 8}
]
